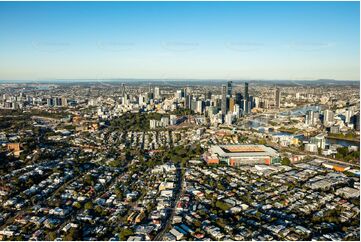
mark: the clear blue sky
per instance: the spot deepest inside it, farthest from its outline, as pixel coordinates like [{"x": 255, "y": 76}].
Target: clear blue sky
[{"x": 220, "y": 40}]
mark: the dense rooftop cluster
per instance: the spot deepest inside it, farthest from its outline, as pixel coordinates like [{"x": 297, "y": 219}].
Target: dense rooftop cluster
[{"x": 94, "y": 163}]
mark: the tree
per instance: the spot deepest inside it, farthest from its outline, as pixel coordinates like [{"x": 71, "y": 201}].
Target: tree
[
  {"x": 72, "y": 235},
  {"x": 262, "y": 142},
  {"x": 286, "y": 161},
  {"x": 88, "y": 205},
  {"x": 89, "y": 179},
  {"x": 124, "y": 233},
  {"x": 77, "y": 205},
  {"x": 119, "y": 193},
  {"x": 342, "y": 150},
  {"x": 222, "y": 205},
  {"x": 51, "y": 235}
]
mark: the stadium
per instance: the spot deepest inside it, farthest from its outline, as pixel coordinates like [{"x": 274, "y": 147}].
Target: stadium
[{"x": 237, "y": 155}]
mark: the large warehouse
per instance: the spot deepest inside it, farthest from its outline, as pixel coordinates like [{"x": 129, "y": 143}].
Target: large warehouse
[{"x": 236, "y": 155}]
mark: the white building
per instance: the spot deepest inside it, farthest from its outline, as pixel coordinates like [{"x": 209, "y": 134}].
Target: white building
[
  {"x": 229, "y": 119},
  {"x": 156, "y": 93},
  {"x": 311, "y": 148},
  {"x": 328, "y": 117}
]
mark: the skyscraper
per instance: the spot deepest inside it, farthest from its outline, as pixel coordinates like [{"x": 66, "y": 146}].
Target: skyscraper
[
  {"x": 189, "y": 99},
  {"x": 49, "y": 102},
  {"x": 237, "y": 110},
  {"x": 231, "y": 104},
  {"x": 348, "y": 115},
  {"x": 327, "y": 117},
  {"x": 229, "y": 88},
  {"x": 178, "y": 94},
  {"x": 199, "y": 106},
  {"x": 64, "y": 101},
  {"x": 156, "y": 93},
  {"x": 150, "y": 95},
  {"x": 208, "y": 95},
  {"x": 224, "y": 100},
  {"x": 309, "y": 119},
  {"x": 57, "y": 102},
  {"x": 357, "y": 122},
  {"x": 239, "y": 97},
  {"x": 278, "y": 98},
  {"x": 246, "y": 94},
  {"x": 244, "y": 106},
  {"x": 123, "y": 89},
  {"x": 141, "y": 100}
]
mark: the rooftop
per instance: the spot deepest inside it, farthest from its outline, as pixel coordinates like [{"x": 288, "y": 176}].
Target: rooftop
[{"x": 243, "y": 150}]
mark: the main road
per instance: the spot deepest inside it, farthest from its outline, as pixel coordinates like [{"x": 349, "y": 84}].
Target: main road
[{"x": 180, "y": 191}]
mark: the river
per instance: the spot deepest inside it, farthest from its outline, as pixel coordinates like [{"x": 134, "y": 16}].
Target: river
[{"x": 260, "y": 122}]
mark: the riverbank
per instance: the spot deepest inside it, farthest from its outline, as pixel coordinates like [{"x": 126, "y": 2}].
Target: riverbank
[
  {"x": 343, "y": 138},
  {"x": 288, "y": 130}
]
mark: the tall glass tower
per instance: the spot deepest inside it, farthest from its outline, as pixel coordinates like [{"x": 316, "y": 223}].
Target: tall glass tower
[
  {"x": 229, "y": 88},
  {"x": 246, "y": 94},
  {"x": 224, "y": 100}
]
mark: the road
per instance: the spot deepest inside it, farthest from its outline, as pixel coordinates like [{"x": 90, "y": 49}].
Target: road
[
  {"x": 168, "y": 223},
  {"x": 336, "y": 161},
  {"x": 317, "y": 156}
]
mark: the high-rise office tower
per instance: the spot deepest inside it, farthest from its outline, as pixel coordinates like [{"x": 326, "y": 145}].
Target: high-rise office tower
[
  {"x": 243, "y": 106},
  {"x": 200, "y": 106},
  {"x": 156, "y": 93},
  {"x": 265, "y": 104},
  {"x": 141, "y": 100},
  {"x": 251, "y": 101},
  {"x": 64, "y": 101},
  {"x": 189, "y": 99},
  {"x": 178, "y": 94},
  {"x": 316, "y": 117},
  {"x": 357, "y": 122},
  {"x": 231, "y": 104},
  {"x": 193, "y": 105},
  {"x": 309, "y": 119},
  {"x": 49, "y": 102},
  {"x": 348, "y": 115},
  {"x": 224, "y": 100},
  {"x": 237, "y": 110},
  {"x": 125, "y": 99},
  {"x": 187, "y": 91},
  {"x": 246, "y": 94},
  {"x": 248, "y": 107},
  {"x": 256, "y": 102},
  {"x": 208, "y": 95},
  {"x": 239, "y": 98},
  {"x": 57, "y": 102},
  {"x": 228, "y": 119},
  {"x": 123, "y": 89},
  {"x": 150, "y": 95},
  {"x": 278, "y": 98},
  {"x": 327, "y": 117},
  {"x": 229, "y": 88}
]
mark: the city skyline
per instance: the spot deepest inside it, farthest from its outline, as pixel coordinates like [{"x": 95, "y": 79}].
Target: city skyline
[
  {"x": 180, "y": 121},
  {"x": 173, "y": 40}
]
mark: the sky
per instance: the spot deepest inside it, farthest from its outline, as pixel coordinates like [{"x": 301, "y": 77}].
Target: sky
[{"x": 180, "y": 40}]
